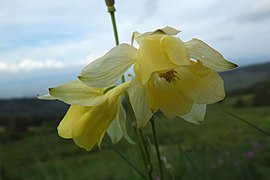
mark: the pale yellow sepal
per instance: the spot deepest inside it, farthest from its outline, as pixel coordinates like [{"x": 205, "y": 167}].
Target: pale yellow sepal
[
  {"x": 138, "y": 99},
  {"x": 78, "y": 93},
  {"x": 46, "y": 97},
  {"x": 200, "y": 84},
  {"x": 196, "y": 115},
  {"x": 211, "y": 58},
  {"x": 106, "y": 70},
  {"x": 121, "y": 119},
  {"x": 117, "y": 129},
  {"x": 115, "y": 132}
]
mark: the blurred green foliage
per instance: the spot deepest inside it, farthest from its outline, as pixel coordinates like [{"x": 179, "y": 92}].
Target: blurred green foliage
[{"x": 222, "y": 148}]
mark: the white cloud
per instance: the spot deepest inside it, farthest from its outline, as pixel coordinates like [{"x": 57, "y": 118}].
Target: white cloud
[
  {"x": 256, "y": 11},
  {"x": 28, "y": 65}
]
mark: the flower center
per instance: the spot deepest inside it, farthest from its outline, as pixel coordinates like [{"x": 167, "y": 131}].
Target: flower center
[{"x": 170, "y": 76}]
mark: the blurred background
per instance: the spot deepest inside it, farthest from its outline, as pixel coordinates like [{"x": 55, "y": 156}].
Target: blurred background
[{"x": 44, "y": 43}]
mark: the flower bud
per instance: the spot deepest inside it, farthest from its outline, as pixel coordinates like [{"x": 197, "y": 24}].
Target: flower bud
[{"x": 109, "y": 2}]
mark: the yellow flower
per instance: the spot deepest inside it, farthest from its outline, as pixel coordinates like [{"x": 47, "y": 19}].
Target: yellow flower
[
  {"x": 91, "y": 114},
  {"x": 178, "y": 78}
]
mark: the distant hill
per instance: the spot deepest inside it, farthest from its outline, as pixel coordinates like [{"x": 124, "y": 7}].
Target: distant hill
[
  {"x": 240, "y": 81},
  {"x": 246, "y": 77},
  {"x": 33, "y": 110}
]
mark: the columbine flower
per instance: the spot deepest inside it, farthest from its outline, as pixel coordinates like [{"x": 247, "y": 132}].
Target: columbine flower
[
  {"x": 92, "y": 112},
  {"x": 178, "y": 78}
]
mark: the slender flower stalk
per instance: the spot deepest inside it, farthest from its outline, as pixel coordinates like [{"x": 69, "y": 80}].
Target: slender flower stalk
[
  {"x": 157, "y": 148},
  {"x": 141, "y": 141},
  {"x": 149, "y": 166},
  {"x": 111, "y": 10}
]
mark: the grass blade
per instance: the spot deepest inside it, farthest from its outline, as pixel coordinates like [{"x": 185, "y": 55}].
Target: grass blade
[{"x": 248, "y": 123}]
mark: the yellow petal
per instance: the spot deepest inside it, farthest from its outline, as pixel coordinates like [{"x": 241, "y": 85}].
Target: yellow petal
[
  {"x": 90, "y": 128},
  {"x": 200, "y": 84},
  {"x": 77, "y": 93},
  {"x": 175, "y": 50},
  {"x": 211, "y": 58},
  {"x": 135, "y": 35},
  {"x": 139, "y": 102},
  {"x": 169, "y": 30},
  {"x": 152, "y": 58},
  {"x": 167, "y": 97},
  {"x": 166, "y": 30},
  {"x": 196, "y": 115},
  {"x": 106, "y": 70},
  {"x": 70, "y": 119}
]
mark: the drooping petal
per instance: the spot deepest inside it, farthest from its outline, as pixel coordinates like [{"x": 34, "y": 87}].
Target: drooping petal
[
  {"x": 200, "y": 84},
  {"x": 196, "y": 115},
  {"x": 139, "y": 103},
  {"x": 106, "y": 70},
  {"x": 115, "y": 132},
  {"x": 167, "y": 97},
  {"x": 77, "y": 93},
  {"x": 175, "y": 50},
  {"x": 70, "y": 119},
  {"x": 121, "y": 119},
  {"x": 151, "y": 58},
  {"x": 91, "y": 126},
  {"x": 199, "y": 50},
  {"x": 89, "y": 129}
]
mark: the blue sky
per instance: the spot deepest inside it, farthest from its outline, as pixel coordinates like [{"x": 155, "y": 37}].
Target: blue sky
[{"x": 46, "y": 42}]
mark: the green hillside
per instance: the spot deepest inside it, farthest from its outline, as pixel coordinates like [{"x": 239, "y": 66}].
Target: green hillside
[{"x": 247, "y": 76}]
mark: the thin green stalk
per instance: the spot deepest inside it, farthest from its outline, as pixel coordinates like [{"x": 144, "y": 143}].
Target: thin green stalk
[
  {"x": 123, "y": 157},
  {"x": 145, "y": 145},
  {"x": 143, "y": 150},
  {"x": 144, "y": 156},
  {"x": 248, "y": 123},
  {"x": 148, "y": 157},
  {"x": 157, "y": 148},
  {"x": 111, "y": 10}
]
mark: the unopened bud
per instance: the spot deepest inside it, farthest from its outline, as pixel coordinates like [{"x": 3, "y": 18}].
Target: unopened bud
[{"x": 109, "y": 2}]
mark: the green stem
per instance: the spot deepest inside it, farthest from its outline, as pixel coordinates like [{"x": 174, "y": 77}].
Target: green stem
[
  {"x": 145, "y": 145},
  {"x": 122, "y": 156},
  {"x": 157, "y": 148},
  {"x": 141, "y": 141},
  {"x": 111, "y": 10},
  {"x": 149, "y": 166},
  {"x": 144, "y": 155}
]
